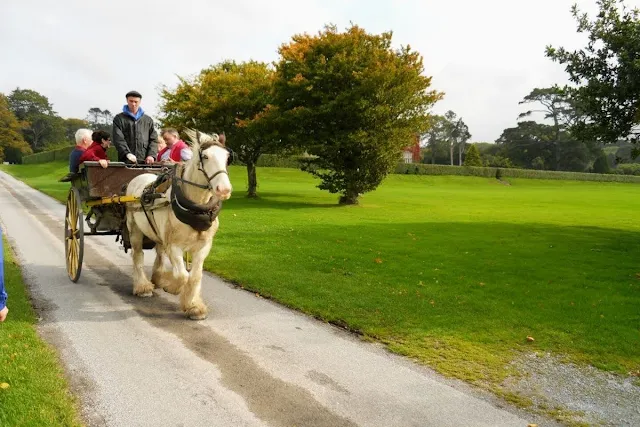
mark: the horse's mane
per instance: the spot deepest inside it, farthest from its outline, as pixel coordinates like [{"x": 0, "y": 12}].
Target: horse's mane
[{"x": 202, "y": 141}]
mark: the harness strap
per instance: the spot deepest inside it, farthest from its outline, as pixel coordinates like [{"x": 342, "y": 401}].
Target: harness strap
[{"x": 151, "y": 223}]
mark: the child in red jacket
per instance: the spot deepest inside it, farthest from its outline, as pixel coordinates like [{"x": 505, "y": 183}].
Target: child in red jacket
[{"x": 97, "y": 151}]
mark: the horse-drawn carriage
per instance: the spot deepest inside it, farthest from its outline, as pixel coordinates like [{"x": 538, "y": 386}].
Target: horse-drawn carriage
[
  {"x": 96, "y": 197},
  {"x": 172, "y": 209}
]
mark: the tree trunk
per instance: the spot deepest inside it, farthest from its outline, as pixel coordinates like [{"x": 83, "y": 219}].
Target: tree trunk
[
  {"x": 460, "y": 145},
  {"x": 252, "y": 179},
  {"x": 349, "y": 198},
  {"x": 451, "y": 153}
]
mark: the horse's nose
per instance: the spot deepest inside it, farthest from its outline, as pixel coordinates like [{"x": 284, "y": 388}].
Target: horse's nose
[{"x": 223, "y": 189}]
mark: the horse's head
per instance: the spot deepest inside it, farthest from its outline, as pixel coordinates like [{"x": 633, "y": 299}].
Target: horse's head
[{"x": 212, "y": 158}]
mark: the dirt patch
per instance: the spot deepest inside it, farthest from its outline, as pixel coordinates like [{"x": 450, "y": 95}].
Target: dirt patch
[{"x": 592, "y": 396}]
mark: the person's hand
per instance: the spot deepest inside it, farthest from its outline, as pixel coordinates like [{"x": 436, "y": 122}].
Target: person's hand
[
  {"x": 149, "y": 160},
  {"x": 3, "y": 313},
  {"x": 103, "y": 163},
  {"x": 132, "y": 158}
]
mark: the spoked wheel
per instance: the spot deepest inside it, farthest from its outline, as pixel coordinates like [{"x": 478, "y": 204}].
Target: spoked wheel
[{"x": 73, "y": 235}]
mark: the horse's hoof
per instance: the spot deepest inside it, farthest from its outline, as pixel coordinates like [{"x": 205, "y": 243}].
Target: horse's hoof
[
  {"x": 144, "y": 294},
  {"x": 156, "y": 282},
  {"x": 197, "y": 313},
  {"x": 170, "y": 290},
  {"x": 200, "y": 316}
]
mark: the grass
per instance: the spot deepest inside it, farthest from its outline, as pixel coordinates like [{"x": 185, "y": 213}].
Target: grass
[
  {"x": 455, "y": 272},
  {"x": 33, "y": 389}
]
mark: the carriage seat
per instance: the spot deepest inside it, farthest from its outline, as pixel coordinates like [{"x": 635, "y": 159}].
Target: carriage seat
[{"x": 69, "y": 177}]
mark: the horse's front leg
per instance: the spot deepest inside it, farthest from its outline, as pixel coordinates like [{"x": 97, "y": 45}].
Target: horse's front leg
[
  {"x": 142, "y": 287},
  {"x": 180, "y": 273},
  {"x": 190, "y": 299},
  {"x": 158, "y": 275}
]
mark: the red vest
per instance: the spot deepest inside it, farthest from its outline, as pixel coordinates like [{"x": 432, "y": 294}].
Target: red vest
[{"x": 175, "y": 151}]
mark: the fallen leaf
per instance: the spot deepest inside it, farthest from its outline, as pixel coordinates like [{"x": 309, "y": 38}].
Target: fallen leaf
[
  {"x": 4, "y": 386},
  {"x": 530, "y": 338},
  {"x": 378, "y": 261},
  {"x": 432, "y": 302},
  {"x": 532, "y": 425},
  {"x": 481, "y": 284}
]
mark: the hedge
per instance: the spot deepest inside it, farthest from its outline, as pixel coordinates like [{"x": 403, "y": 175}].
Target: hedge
[
  {"x": 627, "y": 169},
  {"x": 60, "y": 154},
  {"x": 624, "y": 172},
  {"x": 426, "y": 169}
]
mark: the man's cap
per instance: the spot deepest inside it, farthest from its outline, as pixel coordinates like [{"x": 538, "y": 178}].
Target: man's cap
[{"x": 133, "y": 93}]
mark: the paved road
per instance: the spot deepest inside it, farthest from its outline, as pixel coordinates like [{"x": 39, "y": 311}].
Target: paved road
[{"x": 138, "y": 362}]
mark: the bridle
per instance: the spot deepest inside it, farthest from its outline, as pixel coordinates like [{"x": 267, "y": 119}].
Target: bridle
[{"x": 201, "y": 167}]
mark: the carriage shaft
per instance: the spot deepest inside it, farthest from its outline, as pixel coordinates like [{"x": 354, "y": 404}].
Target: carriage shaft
[{"x": 112, "y": 199}]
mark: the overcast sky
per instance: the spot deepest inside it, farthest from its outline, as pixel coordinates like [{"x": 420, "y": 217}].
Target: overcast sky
[{"x": 485, "y": 55}]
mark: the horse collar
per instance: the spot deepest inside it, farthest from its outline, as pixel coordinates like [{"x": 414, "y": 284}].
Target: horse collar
[{"x": 199, "y": 217}]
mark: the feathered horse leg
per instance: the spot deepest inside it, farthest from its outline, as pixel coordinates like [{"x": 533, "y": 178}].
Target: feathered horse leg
[
  {"x": 190, "y": 298},
  {"x": 180, "y": 273}
]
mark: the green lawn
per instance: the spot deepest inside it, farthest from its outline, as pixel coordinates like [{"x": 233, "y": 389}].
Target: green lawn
[
  {"x": 453, "y": 271},
  {"x": 33, "y": 389}
]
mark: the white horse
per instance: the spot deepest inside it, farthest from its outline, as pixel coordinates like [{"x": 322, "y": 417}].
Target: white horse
[{"x": 184, "y": 219}]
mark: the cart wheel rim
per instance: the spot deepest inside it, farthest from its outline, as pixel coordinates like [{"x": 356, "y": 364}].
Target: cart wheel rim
[{"x": 74, "y": 235}]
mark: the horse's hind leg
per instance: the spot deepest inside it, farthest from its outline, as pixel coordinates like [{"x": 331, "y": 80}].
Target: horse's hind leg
[
  {"x": 180, "y": 273},
  {"x": 142, "y": 287},
  {"x": 190, "y": 299}
]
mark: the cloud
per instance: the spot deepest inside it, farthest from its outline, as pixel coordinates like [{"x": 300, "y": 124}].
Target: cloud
[{"x": 484, "y": 55}]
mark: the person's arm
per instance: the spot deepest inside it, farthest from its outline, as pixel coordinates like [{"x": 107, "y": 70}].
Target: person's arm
[
  {"x": 117, "y": 138},
  {"x": 152, "y": 149},
  {"x": 92, "y": 155},
  {"x": 186, "y": 154}
]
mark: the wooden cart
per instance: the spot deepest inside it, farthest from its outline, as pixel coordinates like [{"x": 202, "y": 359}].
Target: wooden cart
[{"x": 96, "y": 197}]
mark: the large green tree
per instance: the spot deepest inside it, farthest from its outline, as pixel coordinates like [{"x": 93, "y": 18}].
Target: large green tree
[
  {"x": 556, "y": 105},
  {"x": 235, "y": 98},
  {"x": 12, "y": 143},
  {"x": 354, "y": 103},
  {"x": 605, "y": 72},
  {"x": 99, "y": 119},
  {"x": 436, "y": 138},
  {"x": 41, "y": 125},
  {"x": 71, "y": 125}
]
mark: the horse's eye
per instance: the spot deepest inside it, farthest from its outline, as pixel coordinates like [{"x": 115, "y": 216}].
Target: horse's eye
[{"x": 205, "y": 157}]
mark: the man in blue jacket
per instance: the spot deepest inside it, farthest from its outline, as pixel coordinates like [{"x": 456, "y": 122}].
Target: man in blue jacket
[
  {"x": 134, "y": 134},
  {"x": 3, "y": 294},
  {"x": 83, "y": 141}
]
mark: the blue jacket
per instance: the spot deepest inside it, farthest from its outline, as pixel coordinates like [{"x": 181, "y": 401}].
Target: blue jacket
[
  {"x": 3, "y": 293},
  {"x": 74, "y": 159}
]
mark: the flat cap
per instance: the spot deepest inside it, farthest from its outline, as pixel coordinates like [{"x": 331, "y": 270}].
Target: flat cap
[{"x": 133, "y": 93}]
